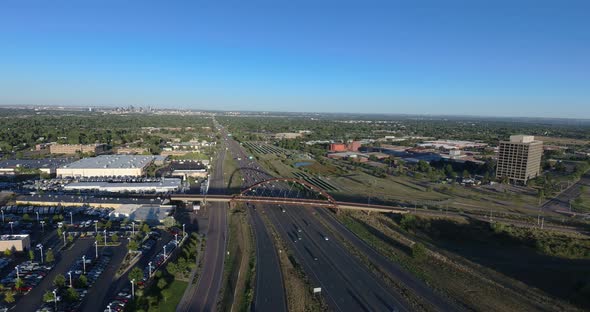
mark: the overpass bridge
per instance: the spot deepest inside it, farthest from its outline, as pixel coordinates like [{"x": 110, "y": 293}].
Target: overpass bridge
[{"x": 286, "y": 191}]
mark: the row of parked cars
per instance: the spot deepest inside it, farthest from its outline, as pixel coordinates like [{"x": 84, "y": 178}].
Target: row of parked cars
[
  {"x": 31, "y": 273},
  {"x": 94, "y": 268}
]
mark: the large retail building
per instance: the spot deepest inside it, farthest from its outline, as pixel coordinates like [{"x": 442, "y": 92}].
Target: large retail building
[{"x": 107, "y": 166}]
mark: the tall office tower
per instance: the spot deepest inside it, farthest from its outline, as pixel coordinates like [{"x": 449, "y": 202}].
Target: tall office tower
[{"x": 519, "y": 159}]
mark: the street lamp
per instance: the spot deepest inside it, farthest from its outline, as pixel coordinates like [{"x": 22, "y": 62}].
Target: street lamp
[
  {"x": 41, "y": 249},
  {"x": 176, "y": 238},
  {"x": 70, "y": 274},
  {"x": 11, "y": 229},
  {"x": 55, "y": 298},
  {"x": 164, "y": 251},
  {"x": 96, "y": 248},
  {"x": 71, "y": 218},
  {"x": 133, "y": 288},
  {"x": 42, "y": 225},
  {"x": 105, "y": 237},
  {"x": 150, "y": 269},
  {"x": 64, "y": 234},
  {"x": 84, "y": 263}
]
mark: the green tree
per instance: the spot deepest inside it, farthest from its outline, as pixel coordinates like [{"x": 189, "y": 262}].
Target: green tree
[
  {"x": 49, "y": 256},
  {"x": 166, "y": 294},
  {"x": 48, "y": 296},
  {"x": 19, "y": 283},
  {"x": 9, "y": 297},
  {"x": 136, "y": 274},
  {"x": 99, "y": 238},
  {"x": 59, "y": 281},
  {"x": 133, "y": 245},
  {"x": 172, "y": 268},
  {"x": 145, "y": 228},
  {"x": 31, "y": 255},
  {"x": 26, "y": 218},
  {"x": 162, "y": 283},
  {"x": 82, "y": 281},
  {"x": 72, "y": 295},
  {"x": 115, "y": 238},
  {"x": 59, "y": 232},
  {"x": 7, "y": 252},
  {"x": 70, "y": 238},
  {"x": 108, "y": 225}
]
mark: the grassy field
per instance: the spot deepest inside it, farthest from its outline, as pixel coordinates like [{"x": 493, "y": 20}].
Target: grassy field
[
  {"x": 240, "y": 263},
  {"x": 561, "y": 141},
  {"x": 176, "y": 290},
  {"x": 466, "y": 260}
]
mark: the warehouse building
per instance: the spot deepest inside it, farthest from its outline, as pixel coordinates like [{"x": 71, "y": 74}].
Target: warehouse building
[
  {"x": 15, "y": 242},
  {"x": 163, "y": 186},
  {"x": 107, "y": 166}
]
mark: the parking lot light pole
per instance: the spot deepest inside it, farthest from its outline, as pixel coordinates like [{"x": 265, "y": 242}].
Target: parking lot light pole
[
  {"x": 96, "y": 226},
  {"x": 37, "y": 212},
  {"x": 109, "y": 306},
  {"x": 43, "y": 226},
  {"x": 84, "y": 263},
  {"x": 70, "y": 274},
  {"x": 96, "y": 248},
  {"x": 55, "y": 298},
  {"x": 164, "y": 251},
  {"x": 71, "y": 218},
  {"x": 150, "y": 268},
  {"x": 41, "y": 249},
  {"x": 2, "y": 216},
  {"x": 105, "y": 237},
  {"x": 133, "y": 288},
  {"x": 11, "y": 229},
  {"x": 64, "y": 238},
  {"x": 176, "y": 238},
  {"x": 133, "y": 228},
  {"x": 183, "y": 232},
  {"x": 18, "y": 273}
]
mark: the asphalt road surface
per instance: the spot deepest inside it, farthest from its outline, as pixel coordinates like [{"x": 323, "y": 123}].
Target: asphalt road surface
[
  {"x": 203, "y": 296},
  {"x": 562, "y": 201},
  {"x": 392, "y": 269},
  {"x": 346, "y": 284},
  {"x": 269, "y": 292},
  {"x": 64, "y": 260}
]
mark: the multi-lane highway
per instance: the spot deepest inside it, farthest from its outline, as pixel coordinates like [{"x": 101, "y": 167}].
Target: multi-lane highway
[
  {"x": 346, "y": 284},
  {"x": 203, "y": 296},
  {"x": 269, "y": 293}
]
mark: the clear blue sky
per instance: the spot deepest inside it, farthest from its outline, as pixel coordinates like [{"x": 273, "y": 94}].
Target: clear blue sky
[{"x": 521, "y": 58}]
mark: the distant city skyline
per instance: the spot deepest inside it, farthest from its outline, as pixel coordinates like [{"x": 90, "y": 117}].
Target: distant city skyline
[{"x": 525, "y": 59}]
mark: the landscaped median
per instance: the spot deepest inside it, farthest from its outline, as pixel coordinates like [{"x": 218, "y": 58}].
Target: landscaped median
[
  {"x": 162, "y": 283},
  {"x": 237, "y": 290}
]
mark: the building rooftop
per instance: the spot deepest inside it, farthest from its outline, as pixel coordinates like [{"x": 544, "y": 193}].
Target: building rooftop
[
  {"x": 35, "y": 163},
  {"x": 112, "y": 161},
  {"x": 9, "y": 237}
]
